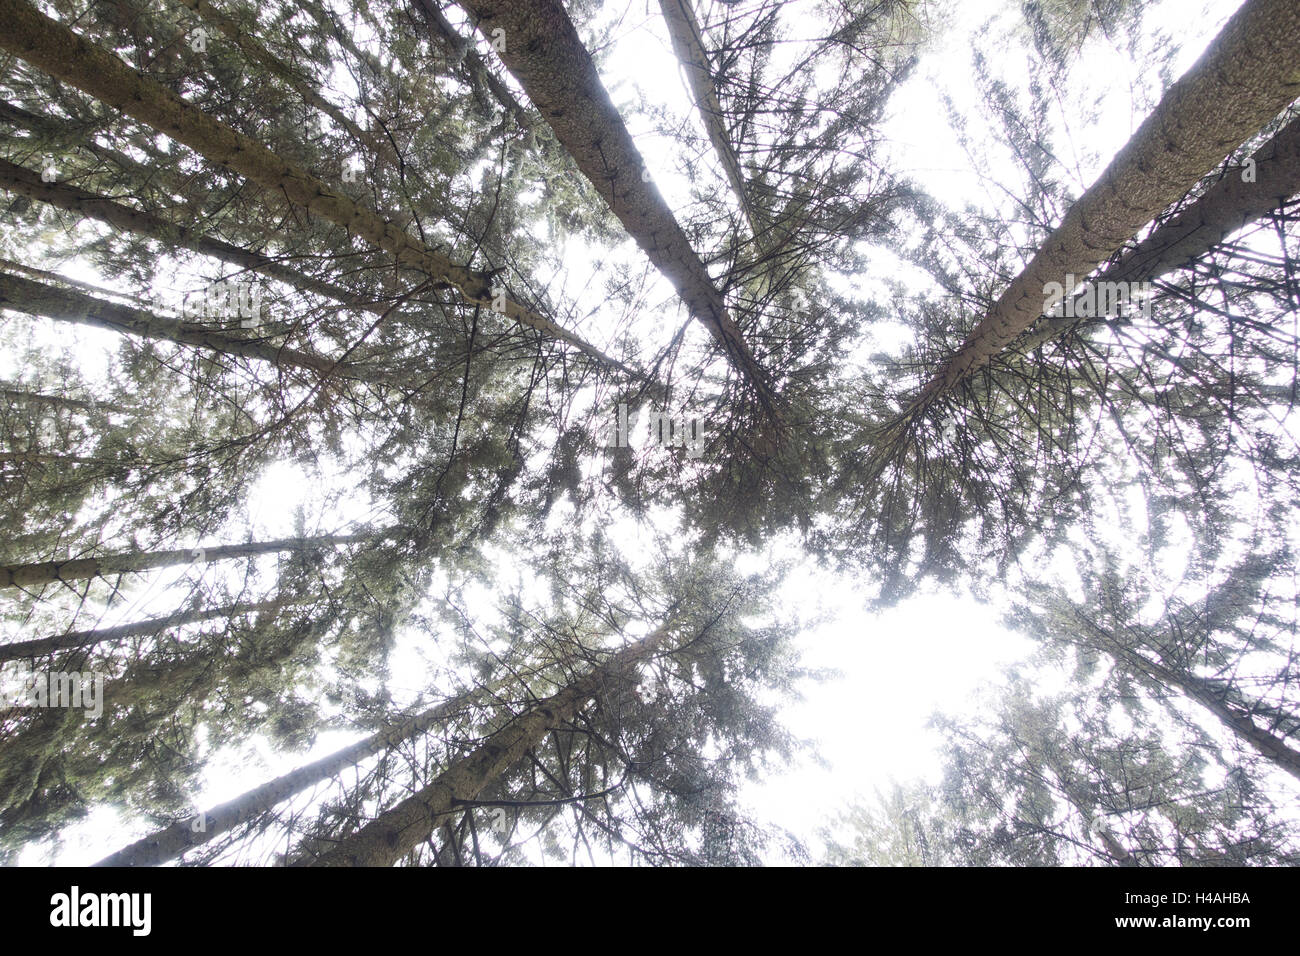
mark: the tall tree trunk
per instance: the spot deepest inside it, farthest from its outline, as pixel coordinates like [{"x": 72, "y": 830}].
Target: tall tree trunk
[
  {"x": 39, "y": 647},
  {"x": 170, "y": 842},
  {"x": 65, "y": 305},
  {"x": 688, "y": 44},
  {"x": 478, "y": 70},
  {"x": 67, "y": 56},
  {"x": 25, "y": 182},
  {"x": 1250, "y": 73},
  {"x": 387, "y": 838},
  {"x": 1264, "y": 742},
  {"x": 544, "y": 52},
  {"x": 62, "y": 401},
  {"x": 81, "y": 569},
  {"x": 1229, "y": 205},
  {"x": 49, "y": 458}
]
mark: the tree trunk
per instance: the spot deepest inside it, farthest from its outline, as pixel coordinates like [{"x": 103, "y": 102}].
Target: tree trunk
[
  {"x": 688, "y": 44},
  {"x": 544, "y": 52},
  {"x": 19, "y": 179},
  {"x": 1250, "y": 73},
  {"x": 1227, "y": 206},
  {"x": 170, "y": 842},
  {"x": 62, "y": 401},
  {"x": 20, "y": 650},
  {"x": 391, "y": 835},
  {"x": 1264, "y": 742},
  {"x": 65, "y": 305},
  {"x": 81, "y": 569},
  {"x": 67, "y": 56},
  {"x": 474, "y": 64}
]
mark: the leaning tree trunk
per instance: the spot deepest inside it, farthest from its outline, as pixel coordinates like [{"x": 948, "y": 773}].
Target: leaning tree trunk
[
  {"x": 25, "y": 182},
  {"x": 479, "y": 72},
  {"x": 391, "y": 835},
  {"x": 1264, "y": 742},
  {"x": 81, "y": 569},
  {"x": 1229, "y": 205},
  {"x": 1250, "y": 73},
  {"x": 170, "y": 842},
  {"x": 544, "y": 52},
  {"x": 69, "y": 57},
  {"x": 63, "y": 402},
  {"x": 65, "y": 305},
  {"x": 688, "y": 44},
  {"x": 41, "y": 646}
]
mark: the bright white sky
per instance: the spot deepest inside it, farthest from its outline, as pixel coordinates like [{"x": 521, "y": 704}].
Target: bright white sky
[{"x": 931, "y": 652}]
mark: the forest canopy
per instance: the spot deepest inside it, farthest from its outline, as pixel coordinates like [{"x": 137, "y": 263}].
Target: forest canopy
[{"x": 487, "y": 432}]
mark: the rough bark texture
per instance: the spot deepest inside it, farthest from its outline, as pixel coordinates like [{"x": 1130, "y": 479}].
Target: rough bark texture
[
  {"x": 22, "y": 650},
  {"x": 1227, "y": 206},
  {"x": 1249, "y": 74},
  {"x": 65, "y": 55},
  {"x": 25, "y": 182},
  {"x": 81, "y": 569},
  {"x": 392, "y": 834},
  {"x": 170, "y": 842},
  {"x": 545, "y": 54},
  {"x": 65, "y": 305}
]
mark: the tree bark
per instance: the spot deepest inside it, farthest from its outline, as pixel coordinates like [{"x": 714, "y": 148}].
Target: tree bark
[
  {"x": 62, "y": 401},
  {"x": 81, "y": 569},
  {"x": 69, "y": 57},
  {"x": 688, "y": 44},
  {"x": 477, "y": 68},
  {"x": 1249, "y": 74},
  {"x": 1263, "y": 741},
  {"x": 65, "y": 305},
  {"x": 391, "y": 835},
  {"x": 1227, "y": 206},
  {"x": 543, "y": 51},
  {"x": 22, "y": 650},
  {"x": 23, "y": 181}
]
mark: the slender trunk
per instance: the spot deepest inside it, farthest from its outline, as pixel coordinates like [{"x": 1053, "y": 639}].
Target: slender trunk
[
  {"x": 477, "y": 68},
  {"x": 62, "y": 401},
  {"x": 391, "y": 835},
  {"x": 544, "y": 52},
  {"x": 688, "y": 44},
  {"x": 1250, "y": 73},
  {"x": 1227, "y": 206},
  {"x": 1113, "y": 847},
  {"x": 1263, "y": 741},
  {"x": 258, "y": 54},
  {"x": 170, "y": 842},
  {"x": 67, "y": 56},
  {"x": 65, "y": 305},
  {"x": 49, "y": 458},
  {"x": 19, "y": 179},
  {"x": 40, "y": 647},
  {"x": 81, "y": 569}
]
